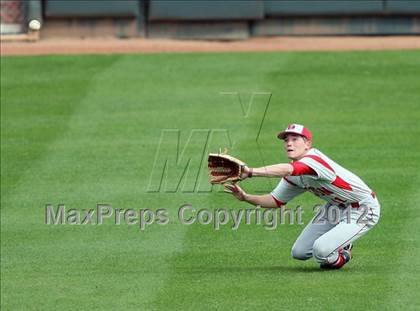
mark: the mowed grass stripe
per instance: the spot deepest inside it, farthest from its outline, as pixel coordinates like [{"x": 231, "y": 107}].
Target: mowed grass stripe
[
  {"x": 38, "y": 96},
  {"x": 63, "y": 264},
  {"x": 407, "y": 268}
]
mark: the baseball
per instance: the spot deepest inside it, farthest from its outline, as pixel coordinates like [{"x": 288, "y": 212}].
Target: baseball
[{"x": 34, "y": 25}]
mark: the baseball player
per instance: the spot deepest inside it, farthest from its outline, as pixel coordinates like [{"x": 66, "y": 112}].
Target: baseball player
[{"x": 327, "y": 238}]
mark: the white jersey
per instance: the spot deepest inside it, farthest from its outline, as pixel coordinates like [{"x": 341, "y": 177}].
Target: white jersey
[{"x": 332, "y": 183}]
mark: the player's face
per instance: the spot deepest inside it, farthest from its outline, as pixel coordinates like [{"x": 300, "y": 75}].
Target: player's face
[{"x": 296, "y": 146}]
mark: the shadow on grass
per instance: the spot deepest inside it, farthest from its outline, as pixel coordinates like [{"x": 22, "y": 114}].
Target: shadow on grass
[{"x": 261, "y": 269}]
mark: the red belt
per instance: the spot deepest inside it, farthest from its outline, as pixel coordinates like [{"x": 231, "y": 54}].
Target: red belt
[{"x": 355, "y": 205}]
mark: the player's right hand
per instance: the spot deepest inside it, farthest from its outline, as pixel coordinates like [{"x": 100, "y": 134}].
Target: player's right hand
[{"x": 236, "y": 191}]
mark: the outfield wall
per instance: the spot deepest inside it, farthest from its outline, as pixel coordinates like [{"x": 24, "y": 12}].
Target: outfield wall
[{"x": 231, "y": 19}]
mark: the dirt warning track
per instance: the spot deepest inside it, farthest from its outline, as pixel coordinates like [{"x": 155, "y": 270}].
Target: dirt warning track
[{"x": 120, "y": 46}]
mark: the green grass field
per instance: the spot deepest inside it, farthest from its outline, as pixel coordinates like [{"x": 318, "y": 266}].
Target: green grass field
[{"x": 83, "y": 130}]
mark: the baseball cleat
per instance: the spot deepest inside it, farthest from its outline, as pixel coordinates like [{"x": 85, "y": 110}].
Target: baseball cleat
[
  {"x": 346, "y": 252},
  {"x": 344, "y": 256}
]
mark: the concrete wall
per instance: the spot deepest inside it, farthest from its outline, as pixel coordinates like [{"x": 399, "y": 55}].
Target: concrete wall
[{"x": 232, "y": 19}]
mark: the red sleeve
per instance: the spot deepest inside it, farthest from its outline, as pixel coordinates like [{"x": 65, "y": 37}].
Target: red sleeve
[
  {"x": 300, "y": 168},
  {"x": 278, "y": 202}
]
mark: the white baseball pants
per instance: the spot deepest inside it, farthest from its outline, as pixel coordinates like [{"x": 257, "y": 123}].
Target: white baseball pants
[{"x": 334, "y": 228}]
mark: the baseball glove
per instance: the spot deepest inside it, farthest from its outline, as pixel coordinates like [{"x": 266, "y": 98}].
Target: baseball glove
[{"x": 224, "y": 168}]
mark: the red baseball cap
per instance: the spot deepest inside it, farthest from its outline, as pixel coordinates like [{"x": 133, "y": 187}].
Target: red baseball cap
[{"x": 296, "y": 129}]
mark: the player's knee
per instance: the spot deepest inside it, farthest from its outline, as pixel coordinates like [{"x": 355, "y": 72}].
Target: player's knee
[
  {"x": 300, "y": 253},
  {"x": 375, "y": 217},
  {"x": 321, "y": 250}
]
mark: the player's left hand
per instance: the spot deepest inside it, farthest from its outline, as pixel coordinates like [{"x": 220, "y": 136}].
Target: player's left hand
[{"x": 225, "y": 168}]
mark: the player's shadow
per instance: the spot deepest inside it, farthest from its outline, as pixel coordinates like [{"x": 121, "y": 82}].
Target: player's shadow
[{"x": 249, "y": 269}]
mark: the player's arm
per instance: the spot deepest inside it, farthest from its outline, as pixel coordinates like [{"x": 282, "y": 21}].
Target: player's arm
[
  {"x": 266, "y": 200},
  {"x": 276, "y": 170},
  {"x": 281, "y": 170}
]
